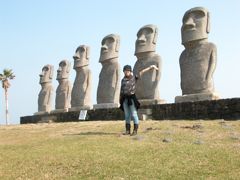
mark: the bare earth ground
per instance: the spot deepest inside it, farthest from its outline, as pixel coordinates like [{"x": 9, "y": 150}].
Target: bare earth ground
[{"x": 98, "y": 150}]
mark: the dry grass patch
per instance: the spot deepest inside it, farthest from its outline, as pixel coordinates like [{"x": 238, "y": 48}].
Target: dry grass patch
[{"x": 98, "y": 150}]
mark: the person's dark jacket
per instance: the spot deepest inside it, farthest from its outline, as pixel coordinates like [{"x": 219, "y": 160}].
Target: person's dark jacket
[{"x": 129, "y": 98}]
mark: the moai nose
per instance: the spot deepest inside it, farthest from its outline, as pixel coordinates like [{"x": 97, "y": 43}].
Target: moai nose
[
  {"x": 189, "y": 24},
  {"x": 104, "y": 47},
  {"x": 76, "y": 56},
  {"x": 141, "y": 39},
  {"x": 41, "y": 74}
]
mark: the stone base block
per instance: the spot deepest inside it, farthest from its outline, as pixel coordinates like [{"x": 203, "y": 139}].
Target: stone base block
[
  {"x": 145, "y": 114},
  {"x": 47, "y": 119},
  {"x": 197, "y": 97},
  {"x": 42, "y": 113},
  {"x": 79, "y": 108},
  {"x": 59, "y": 111},
  {"x": 105, "y": 106},
  {"x": 147, "y": 102}
]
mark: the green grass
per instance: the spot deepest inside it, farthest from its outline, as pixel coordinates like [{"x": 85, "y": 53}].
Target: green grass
[{"x": 97, "y": 150}]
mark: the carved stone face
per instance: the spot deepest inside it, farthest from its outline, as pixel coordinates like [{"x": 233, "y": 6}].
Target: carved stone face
[
  {"x": 63, "y": 70},
  {"x": 81, "y": 57},
  {"x": 110, "y": 47},
  {"x": 146, "y": 39},
  {"x": 195, "y": 25},
  {"x": 47, "y": 74}
]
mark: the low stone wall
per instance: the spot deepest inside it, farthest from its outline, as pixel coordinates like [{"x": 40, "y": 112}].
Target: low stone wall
[
  {"x": 92, "y": 115},
  {"x": 228, "y": 109}
]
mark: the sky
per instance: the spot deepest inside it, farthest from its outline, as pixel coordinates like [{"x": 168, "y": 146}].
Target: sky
[{"x": 35, "y": 33}]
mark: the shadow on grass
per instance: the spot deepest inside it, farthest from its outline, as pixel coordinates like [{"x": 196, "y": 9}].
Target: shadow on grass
[{"x": 92, "y": 133}]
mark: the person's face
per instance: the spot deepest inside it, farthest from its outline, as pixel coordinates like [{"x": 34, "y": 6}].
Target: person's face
[
  {"x": 195, "y": 25},
  {"x": 80, "y": 57},
  {"x": 145, "y": 40},
  {"x": 109, "y": 48},
  {"x": 62, "y": 71},
  {"x": 45, "y": 75},
  {"x": 127, "y": 73}
]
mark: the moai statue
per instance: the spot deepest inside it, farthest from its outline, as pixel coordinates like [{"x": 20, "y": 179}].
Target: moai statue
[
  {"x": 109, "y": 78},
  {"x": 198, "y": 60},
  {"x": 64, "y": 89},
  {"x": 45, "y": 95},
  {"x": 81, "y": 93},
  {"x": 150, "y": 63}
]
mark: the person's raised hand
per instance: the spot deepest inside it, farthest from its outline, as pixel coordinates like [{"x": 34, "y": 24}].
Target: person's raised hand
[{"x": 154, "y": 67}]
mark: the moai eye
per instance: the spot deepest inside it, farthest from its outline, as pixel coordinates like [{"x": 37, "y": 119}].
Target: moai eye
[
  {"x": 82, "y": 50},
  {"x": 186, "y": 17},
  {"x": 62, "y": 64},
  {"x": 109, "y": 41},
  {"x": 148, "y": 31},
  {"x": 198, "y": 14},
  {"x": 45, "y": 68},
  {"x": 145, "y": 32}
]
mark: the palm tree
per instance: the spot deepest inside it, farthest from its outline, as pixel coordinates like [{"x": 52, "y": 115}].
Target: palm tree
[{"x": 5, "y": 77}]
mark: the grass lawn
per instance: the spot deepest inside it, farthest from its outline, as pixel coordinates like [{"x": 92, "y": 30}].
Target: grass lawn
[{"x": 98, "y": 150}]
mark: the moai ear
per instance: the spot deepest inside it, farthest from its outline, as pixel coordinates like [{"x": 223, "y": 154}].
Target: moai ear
[
  {"x": 87, "y": 52},
  {"x": 68, "y": 66},
  {"x": 155, "y": 36},
  {"x": 117, "y": 44},
  {"x": 51, "y": 69},
  {"x": 208, "y": 22}
]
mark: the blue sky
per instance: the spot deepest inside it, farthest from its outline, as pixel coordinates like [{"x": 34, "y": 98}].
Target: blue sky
[{"x": 35, "y": 33}]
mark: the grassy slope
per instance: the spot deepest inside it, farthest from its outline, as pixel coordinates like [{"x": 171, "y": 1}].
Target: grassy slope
[{"x": 97, "y": 150}]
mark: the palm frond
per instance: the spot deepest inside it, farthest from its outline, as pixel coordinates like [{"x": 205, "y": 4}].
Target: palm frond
[
  {"x": 5, "y": 77},
  {"x": 8, "y": 72},
  {"x": 12, "y": 77}
]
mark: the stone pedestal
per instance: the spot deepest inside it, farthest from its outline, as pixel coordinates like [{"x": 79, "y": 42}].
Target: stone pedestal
[
  {"x": 47, "y": 119},
  {"x": 59, "y": 111},
  {"x": 146, "y": 114},
  {"x": 147, "y": 102},
  {"x": 197, "y": 97},
  {"x": 79, "y": 108},
  {"x": 42, "y": 113},
  {"x": 42, "y": 117},
  {"x": 106, "y": 106}
]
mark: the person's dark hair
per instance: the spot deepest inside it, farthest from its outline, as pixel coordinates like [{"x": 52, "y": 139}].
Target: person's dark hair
[{"x": 127, "y": 68}]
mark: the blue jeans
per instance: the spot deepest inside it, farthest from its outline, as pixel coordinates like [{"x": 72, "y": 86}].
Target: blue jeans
[{"x": 130, "y": 112}]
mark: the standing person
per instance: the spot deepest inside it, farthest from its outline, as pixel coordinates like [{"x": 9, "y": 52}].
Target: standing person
[{"x": 128, "y": 100}]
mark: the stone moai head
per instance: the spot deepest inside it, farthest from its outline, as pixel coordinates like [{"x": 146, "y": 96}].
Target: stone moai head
[
  {"x": 81, "y": 57},
  {"x": 110, "y": 47},
  {"x": 63, "y": 70},
  {"x": 196, "y": 24},
  {"x": 146, "y": 39},
  {"x": 47, "y": 74}
]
